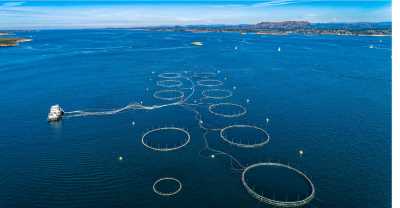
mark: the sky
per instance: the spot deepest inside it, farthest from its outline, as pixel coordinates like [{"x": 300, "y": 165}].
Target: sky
[{"x": 60, "y": 14}]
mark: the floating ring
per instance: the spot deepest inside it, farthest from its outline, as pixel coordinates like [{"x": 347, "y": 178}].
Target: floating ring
[
  {"x": 272, "y": 202},
  {"x": 209, "y": 82},
  {"x": 170, "y": 75},
  {"x": 213, "y": 106},
  {"x": 166, "y": 149},
  {"x": 206, "y": 93},
  {"x": 167, "y": 193},
  {"x": 264, "y": 142},
  {"x": 169, "y": 83},
  {"x": 158, "y": 94}
]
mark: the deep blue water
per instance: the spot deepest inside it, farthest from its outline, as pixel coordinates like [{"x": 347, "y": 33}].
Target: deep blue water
[{"x": 327, "y": 95}]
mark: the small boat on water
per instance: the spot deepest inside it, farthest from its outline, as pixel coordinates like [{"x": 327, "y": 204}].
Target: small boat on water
[
  {"x": 197, "y": 43},
  {"x": 55, "y": 114}
]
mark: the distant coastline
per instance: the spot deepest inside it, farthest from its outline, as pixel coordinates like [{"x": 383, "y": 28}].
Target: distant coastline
[
  {"x": 378, "y": 29},
  {"x": 289, "y": 27}
]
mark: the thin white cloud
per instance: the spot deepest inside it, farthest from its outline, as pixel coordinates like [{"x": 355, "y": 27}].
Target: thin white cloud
[
  {"x": 274, "y": 3},
  {"x": 12, "y": 4}
]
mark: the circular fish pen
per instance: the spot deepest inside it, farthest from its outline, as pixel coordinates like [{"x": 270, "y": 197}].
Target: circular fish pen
[
  {"x": 170, "y": 75},
  {"x": 165, "y": 148},
  {"x": 240, "y": 110},
  {"x": 169, "y": 83},
  {"x": 278, "y": 203},
  {"x": 245, "y": 136},
  {"x": 209, "y": 82},
  {"x": 216, "y": 93},
  {"x": 204, "y": 75},
  {"x": 167, "y": 193},
  {"x": 166, "y": 94},
  {"x": 239, "y": 142}
]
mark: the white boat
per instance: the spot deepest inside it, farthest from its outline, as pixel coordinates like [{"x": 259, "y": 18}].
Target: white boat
[
  {"x": 197, "y": 43},
  {"x": 55, "y": 114}
]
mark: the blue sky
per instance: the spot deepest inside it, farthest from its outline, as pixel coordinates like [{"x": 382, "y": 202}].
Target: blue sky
[{"x": 33, "y": 14}]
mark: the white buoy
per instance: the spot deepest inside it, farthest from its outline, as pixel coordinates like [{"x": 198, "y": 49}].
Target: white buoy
[
  {"x": 120, "y": 158},
  {"x": 197, "y": 43},
  {"x": 133, "y": 123},
  {"x": 301, "y": 152},
  {"x": 212, "y": 156},
  {"x": 371, "y": 46},
  {"x": 247, "y": 100},
  {"x": 234, "y": 87},
  {"x": 279, "y": 49},
  {"x": 218, "y": 71},
  {"x": 236, "y": 47},
  {"x": 267, "y": 120}
]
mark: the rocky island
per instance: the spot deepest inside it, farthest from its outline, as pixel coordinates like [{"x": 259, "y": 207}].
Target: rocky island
[
  {"x": 11, "y": 41},
  {"x": 8, "y": 42},
  {"x": 289, "y": 27}
]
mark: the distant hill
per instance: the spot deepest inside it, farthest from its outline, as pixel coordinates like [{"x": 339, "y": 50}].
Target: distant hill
[{"x": 288, "y": 25}]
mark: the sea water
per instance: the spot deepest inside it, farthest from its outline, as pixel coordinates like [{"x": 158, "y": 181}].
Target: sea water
[{"x": 328, "y": 96}]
